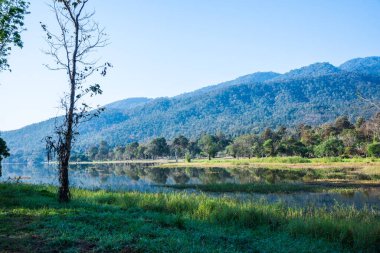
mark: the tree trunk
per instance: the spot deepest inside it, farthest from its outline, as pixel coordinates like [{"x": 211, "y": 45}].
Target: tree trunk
[
  {"x": 209, "y": 157},
  {"x": 64, "y": 192}
]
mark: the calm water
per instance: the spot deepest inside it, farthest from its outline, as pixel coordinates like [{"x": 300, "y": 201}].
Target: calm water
[
  {"x": 147, "y": 178},
  {"x": 144, "y": 176}
]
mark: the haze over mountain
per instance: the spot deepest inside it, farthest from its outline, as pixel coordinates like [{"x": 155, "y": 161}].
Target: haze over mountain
[{"x": 313, "y": 95}]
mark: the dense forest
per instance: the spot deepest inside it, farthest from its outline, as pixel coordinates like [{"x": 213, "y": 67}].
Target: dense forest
[
  {"x": 312, "y": 95},
  {"x": 339, "y": 138}
]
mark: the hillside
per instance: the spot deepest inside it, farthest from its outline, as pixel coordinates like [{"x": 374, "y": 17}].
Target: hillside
[
  {"x": 313, "y": 70},
  {"x": 313, "y": 95},
  {"x": 369, "y": 65}
]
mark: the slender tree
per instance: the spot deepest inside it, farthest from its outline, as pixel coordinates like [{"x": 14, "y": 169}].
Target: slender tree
[
  {"x": 180, "y": 145},
  {"x": 72, "y": 48},
  {"x": 209, "y": 145},
  {"x": 158, "y": 147}
]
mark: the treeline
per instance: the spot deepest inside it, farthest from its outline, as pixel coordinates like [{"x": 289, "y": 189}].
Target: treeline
[{"x": 339, "y": 138}]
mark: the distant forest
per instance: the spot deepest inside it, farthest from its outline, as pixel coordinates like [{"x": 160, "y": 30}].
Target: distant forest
[
  {"x": 341, "y": 138},
  {"x": 228, "y": 115}
]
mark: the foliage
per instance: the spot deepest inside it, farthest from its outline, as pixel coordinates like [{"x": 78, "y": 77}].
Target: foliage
[
  {"x": 12, "y": 14},
  {"x": 374, "y": 149},
  {"x": 180, "y": 145},
  {"x": 157, "y": 148},
  {"x": 242, "y": 107},
  {"x": 187, "y": 157},
  {"x": 329, "y": 140},
  {"x": 242, "y": 146},
  {"x": 209, "y": 145},
  {"x": 330, "y": 147},
  {"x": 292, "y": 147},
  {"x": 4, "y": 152},
  {"x": 268, "y": 147}
]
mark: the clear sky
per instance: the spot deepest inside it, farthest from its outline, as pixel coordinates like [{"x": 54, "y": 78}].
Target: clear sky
[{"x": 168, "y": 47}]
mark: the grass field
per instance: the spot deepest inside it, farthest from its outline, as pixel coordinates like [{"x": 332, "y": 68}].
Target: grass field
[
  {"x": 332, "y": 187},
  {"x": 33, "y": 221},
  {"x": 282, "y": 161}
]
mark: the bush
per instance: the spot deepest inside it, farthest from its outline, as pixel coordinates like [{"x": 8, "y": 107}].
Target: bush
[
  {"x": 330, "y": 147},
  {"x": 374, "y": 149},
  {"x": 188, "y": 157}
]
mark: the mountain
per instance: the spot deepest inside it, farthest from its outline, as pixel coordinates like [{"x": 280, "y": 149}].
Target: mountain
[
  {"x": 367, "y": 66},
  {"x": 251, "y": 78},
  {"x": 313, "y": 95},
  {"x": 128, "y": 103},
  {"x": 313, "y": 70}
]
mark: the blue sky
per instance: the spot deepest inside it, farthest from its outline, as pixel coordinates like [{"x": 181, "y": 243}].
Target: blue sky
[{"x": 167, "y": 47}]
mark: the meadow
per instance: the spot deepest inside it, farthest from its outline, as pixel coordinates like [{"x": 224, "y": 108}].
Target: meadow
[{"x": 33, "y": 221}]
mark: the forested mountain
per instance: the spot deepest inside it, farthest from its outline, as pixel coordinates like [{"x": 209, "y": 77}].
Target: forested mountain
[
  {"x": 313, "y": 70},
  {"x": 369, "y": 65},
  {"x": 257, "y": 77},
  {"x": 129, "y": 103},
  {"x": 312, "y": 95}
]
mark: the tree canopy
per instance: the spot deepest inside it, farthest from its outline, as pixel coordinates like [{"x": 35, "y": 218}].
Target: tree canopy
[
  {"x": 4, "y": 152},
  {"x": 328, "y": 140},
  {"x": 12, "y": 14}
]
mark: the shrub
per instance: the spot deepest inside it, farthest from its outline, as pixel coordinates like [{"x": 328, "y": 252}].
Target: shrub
[
  {"x": 374, "y": 149},
  {"x": 330, "y": 147},
  {"x": 188, "y": 157}
]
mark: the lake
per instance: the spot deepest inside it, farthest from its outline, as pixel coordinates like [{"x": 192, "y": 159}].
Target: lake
[{"x": 147, "y": 177}]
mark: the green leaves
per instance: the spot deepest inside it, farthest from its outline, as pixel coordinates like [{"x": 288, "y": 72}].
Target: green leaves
[
  {"x": 12, "y": 14},
  {"x": 4, "y": 151}
]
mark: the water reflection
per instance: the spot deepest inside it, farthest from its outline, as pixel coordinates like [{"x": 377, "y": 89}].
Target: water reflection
[
  {"x": 148, "y": 177},
  {"x": 124, "y": 176}
]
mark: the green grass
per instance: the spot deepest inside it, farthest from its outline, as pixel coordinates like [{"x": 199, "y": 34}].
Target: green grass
[
  {"x": 269, "y": 188},
  {"x": 33, "y": 221},
  {"x": 287, "y": 159},
  {"x": 246, "y": 161}
]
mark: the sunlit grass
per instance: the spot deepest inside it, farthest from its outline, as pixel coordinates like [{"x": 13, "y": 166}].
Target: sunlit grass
[
  {"x": 176, "y": 222},
  {"x": 286, "y": 160},
  {"x": 265, "y": 188}
]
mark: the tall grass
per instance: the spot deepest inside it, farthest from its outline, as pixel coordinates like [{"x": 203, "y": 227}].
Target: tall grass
[
  {"x": 147, "y": 222},
  {"x": 359, "y": 230},
  {"x": 289, "y": 159}
]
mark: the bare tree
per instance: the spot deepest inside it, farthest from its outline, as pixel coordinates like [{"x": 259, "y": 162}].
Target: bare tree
[{"x": 72, "y": 48}]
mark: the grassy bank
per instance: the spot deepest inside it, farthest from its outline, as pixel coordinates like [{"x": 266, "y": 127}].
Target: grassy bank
[
  {"x": 32, "y": 221},
  {"x": 292, "y": 159},
  {"x": 279, "y": 160},
  {"x": 245, "y": 161},
  {"x": 280, "y": 187}
]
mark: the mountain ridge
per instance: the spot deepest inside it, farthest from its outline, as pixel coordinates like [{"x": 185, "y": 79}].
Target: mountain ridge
[{"x": 314, "y": 94}]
